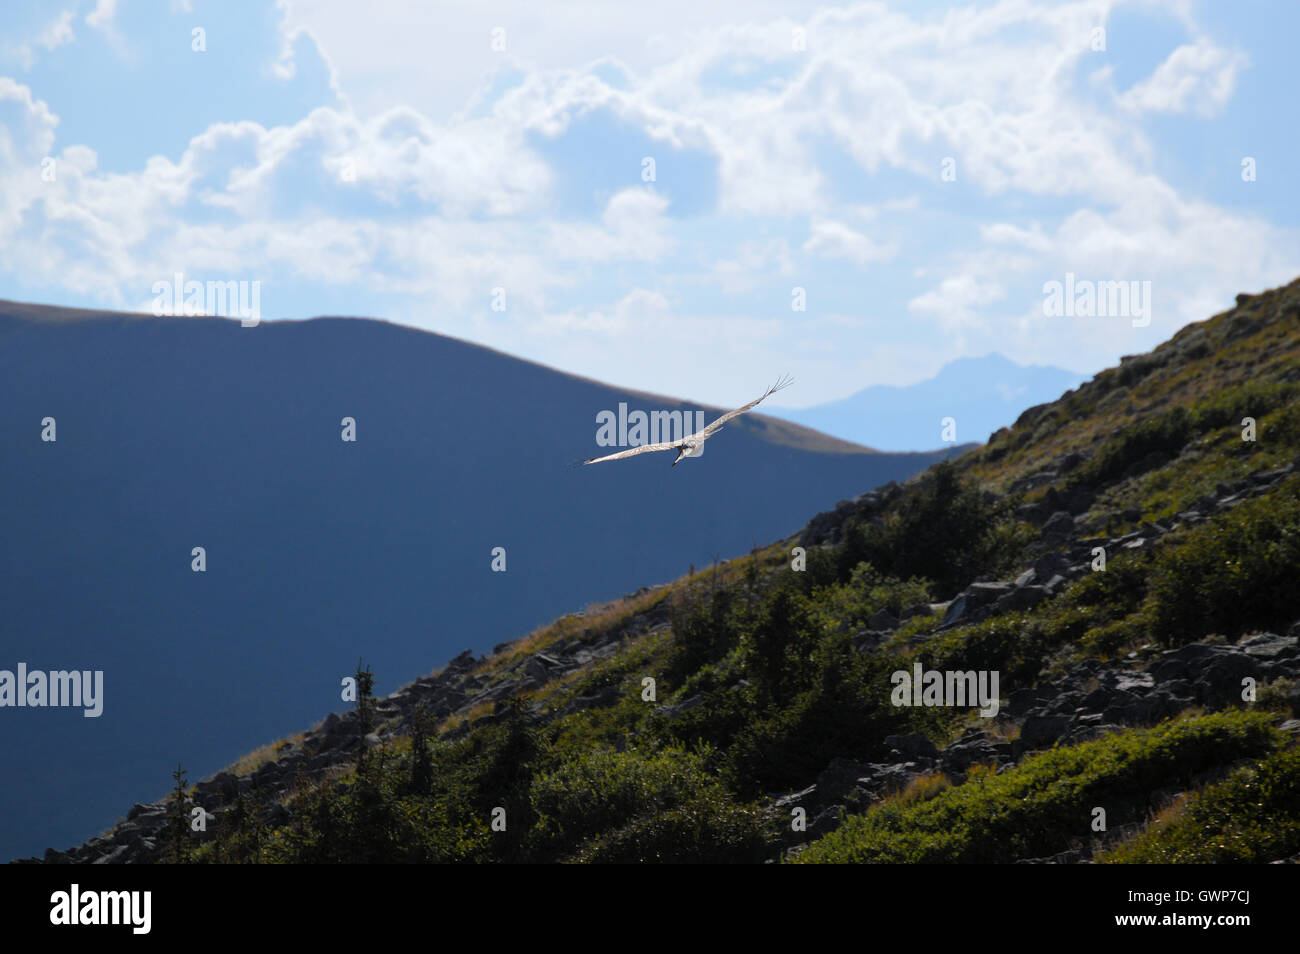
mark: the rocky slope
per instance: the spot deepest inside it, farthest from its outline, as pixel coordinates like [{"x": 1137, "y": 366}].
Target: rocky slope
[{"x": 1085, "y": 653}]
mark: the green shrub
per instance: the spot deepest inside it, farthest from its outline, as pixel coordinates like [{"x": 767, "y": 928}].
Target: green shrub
[
  {"x": 704, "y": 631},
  {"x": 867, "y": 591},
  {"x": 776, "y": 648},
  {"x": 590, "y": 794},
  {"x": 710, "y": 829},
  {"x": 1164, "y": 433},
  {"x": 845, "y": 712},
  {"x": 1010, "y": 643},
  {"x": 1043, "y": 805},
  {"x": 1233, "y": 573},
  {"x": 1251, "y": 817},
  {"x": 944, "y": 530}
]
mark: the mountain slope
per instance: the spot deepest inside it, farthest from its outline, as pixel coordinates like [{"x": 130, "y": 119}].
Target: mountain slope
[
  {"x": 980, "y": 394},
  {"x": 176, "y": 433},
  {"x": 776, "y": 728}
]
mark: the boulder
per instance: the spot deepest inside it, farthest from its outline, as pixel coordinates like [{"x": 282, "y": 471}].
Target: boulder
[
  {"x": 883, "y": 620},
  {"x": 1039, "y": 731},
  {"x": 1059, "y": 524},
  {"x": 1269, "y": 646},
  {"x": 912, "y": 745},
  {"x": 840, "y": 777}
]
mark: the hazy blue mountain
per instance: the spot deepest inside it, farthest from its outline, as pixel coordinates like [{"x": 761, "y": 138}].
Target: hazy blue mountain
[
  {"x": 175, "y": 433},
  {"x": 981, "y": 394}
]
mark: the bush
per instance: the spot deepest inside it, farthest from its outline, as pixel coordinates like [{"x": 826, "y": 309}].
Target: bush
[
  {"x": 1234, "y": 573},
  {"x": 777, "y": 646},
  {"x": 944, "y": 531},
  {"x": 590, "y": 794},
  {"x": 1011, "y": 644},
  {"x": 1042, "y": 805},
  {"x": 849, "y": 605},
  {"x": 703, "y": 632},
  {"x": 1165, "y": 433},
  {"x": 710, "y": 829},
  {"x": 1252, "y": 817},
  {"x": 845, "y": 712}
]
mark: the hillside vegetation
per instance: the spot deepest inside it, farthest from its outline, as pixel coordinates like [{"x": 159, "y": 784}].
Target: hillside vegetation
[{"x": 1124, "y": 559}]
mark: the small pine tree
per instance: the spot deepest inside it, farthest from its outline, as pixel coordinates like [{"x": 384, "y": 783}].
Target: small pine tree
[
  {"x": 365, "y": 715},
  {"x": 178, "y": 849},
  {"x": 421, "y": 759}
]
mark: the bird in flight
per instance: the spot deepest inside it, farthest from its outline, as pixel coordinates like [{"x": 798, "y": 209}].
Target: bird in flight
[{"x": 688, "y": 446}]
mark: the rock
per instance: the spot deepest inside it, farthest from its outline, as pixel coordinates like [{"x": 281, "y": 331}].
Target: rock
[
  {"x": 970, "y": 604},
  {"x": 883, "y": 620},
  {"x": 839, "y": 778},
  {"x": 1134, "y": 681},
  {"x": 1050, "y": 564},
  {"x": 1268, "y": 645},
  {"x": 138, "y": 809},
  {"x": 1067, "y": 462},
  {"x": 866, "y": 640},
  {"x": 686, "y": 705},
  {"x": 984, "y": 593},
  {"x": 1039, "y": 731},
  {"x": 1220, "y": 681},
  {"x": 1059, "y": 524},
  {"x": 957, "y": 608},
  {"x": 884, "y": 779},
  {"x": 534, "y": 668},
  {"x": 827, "y": 821},
  {"x": 795, "y": 799},
  {"x": 917, "y": 609},
  {"x": 332, "y": 724},
  {"x": 1176, "y": 663},
  {"x": 1024, "y": 579},
  {"x": 912, "y": 745},
  {"x": 1023, "y": 598},
  {"x": 1022, "y": 700},
  {"x": 1055, "y": 584},
  {"x": 463, "y": 662}
]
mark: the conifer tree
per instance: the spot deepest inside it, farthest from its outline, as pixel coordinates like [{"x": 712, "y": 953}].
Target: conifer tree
[
  {"x": 365, "y": 715},
  {"x": 421, "y": 759},
  {"x": 178, "y": 824}
]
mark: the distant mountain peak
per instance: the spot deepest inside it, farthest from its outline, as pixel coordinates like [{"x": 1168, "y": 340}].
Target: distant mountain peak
[{"x": 981, "y": 394}]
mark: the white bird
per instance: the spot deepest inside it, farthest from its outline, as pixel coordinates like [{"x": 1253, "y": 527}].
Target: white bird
[{"x": 688, "y": 446}]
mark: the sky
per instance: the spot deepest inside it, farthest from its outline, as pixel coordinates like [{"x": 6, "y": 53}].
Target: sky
[{"x": 685, "y": 198}]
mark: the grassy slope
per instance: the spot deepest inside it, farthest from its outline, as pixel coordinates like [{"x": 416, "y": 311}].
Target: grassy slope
[{"x": 767, "y": 651}]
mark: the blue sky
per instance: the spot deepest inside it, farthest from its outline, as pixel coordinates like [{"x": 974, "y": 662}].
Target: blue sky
[{"x": 406, "y": 161}]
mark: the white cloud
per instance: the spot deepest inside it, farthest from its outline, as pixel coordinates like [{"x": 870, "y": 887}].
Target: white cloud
[
  {"x": 830, "y": 239},
  {"x": 101, "y": 18},
  {"x": 958, "y": 299},
  {"x": 1197, "y": 78},
  {"x": 57, "y": 33},
  {"x": 447, "y": 199}
]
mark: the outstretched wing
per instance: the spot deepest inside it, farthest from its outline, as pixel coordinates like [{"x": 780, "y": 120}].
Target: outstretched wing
[
  {"x": 633, "y": 451},
  {"x": 712, "y": 428}
]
